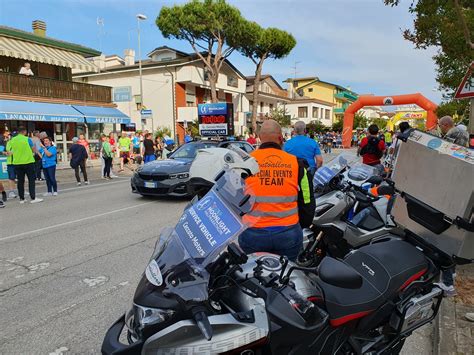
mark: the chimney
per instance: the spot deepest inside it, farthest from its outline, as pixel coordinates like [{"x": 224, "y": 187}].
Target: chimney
[
  {"x": 39, "y": 28},
  {"x": 99, "y": 61},
  {"x": 129, "y": 56}
]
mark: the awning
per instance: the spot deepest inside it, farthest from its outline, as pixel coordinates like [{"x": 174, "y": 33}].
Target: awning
[
  {"x": 94, "y": 114},
  {"x": 15, "y": 48},
  {"x": 38, "y": 111}
]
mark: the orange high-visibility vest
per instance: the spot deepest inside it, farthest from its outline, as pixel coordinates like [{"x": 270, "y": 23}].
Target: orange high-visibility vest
[
  {"x": 375, "y": 191},
  {"x": 275, "y": 188}
]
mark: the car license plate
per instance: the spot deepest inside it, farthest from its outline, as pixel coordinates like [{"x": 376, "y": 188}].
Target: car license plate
[{"x": 150, "y": 184}]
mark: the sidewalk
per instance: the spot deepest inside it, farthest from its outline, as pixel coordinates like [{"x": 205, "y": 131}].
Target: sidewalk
[{"x": 456, "y": 334}]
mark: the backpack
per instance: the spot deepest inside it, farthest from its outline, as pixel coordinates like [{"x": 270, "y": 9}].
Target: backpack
[{"x": 372, "y": 147}]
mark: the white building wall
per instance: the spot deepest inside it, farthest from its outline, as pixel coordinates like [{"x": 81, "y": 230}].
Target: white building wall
[{"x": 293, "y": 111}]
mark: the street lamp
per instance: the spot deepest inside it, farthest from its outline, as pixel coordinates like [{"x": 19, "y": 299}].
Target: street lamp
[{"x": 141, "y": 17}]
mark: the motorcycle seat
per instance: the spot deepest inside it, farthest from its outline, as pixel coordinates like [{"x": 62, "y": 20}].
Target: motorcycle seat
[{"x": 386, "y": 269}]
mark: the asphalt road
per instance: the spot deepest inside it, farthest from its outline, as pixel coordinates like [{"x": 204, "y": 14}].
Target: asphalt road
[{"x": 69, "y": 266}]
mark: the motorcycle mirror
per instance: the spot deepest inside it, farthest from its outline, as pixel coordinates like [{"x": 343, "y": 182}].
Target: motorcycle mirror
[
  {"x": 375, "y": 180},
  {"x": 336, "y": 273}
]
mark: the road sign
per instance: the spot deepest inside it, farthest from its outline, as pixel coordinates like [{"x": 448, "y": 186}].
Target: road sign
[
  {"x": 122, "y": 94},
  {"x": 466, "y": 89},
  {"x": 146, "y": 114}
]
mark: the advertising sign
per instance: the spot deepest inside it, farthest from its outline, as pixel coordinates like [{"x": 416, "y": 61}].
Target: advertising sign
[
  {"x": 3, "y": 168},
  {"x": 208, "y": 224},
  {"x": 216, "y": 119},
  {"x": 122, "y": 94}
]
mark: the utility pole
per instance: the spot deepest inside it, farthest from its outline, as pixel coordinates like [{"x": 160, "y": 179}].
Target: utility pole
[{"x": 141, "y": 17}]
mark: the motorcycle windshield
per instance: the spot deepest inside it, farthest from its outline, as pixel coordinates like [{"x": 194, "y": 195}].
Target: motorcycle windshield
[
  {"x": 361, "y": 172},
  {"x": 204, "y": 231},
  {"x": 324, "y": 174}
]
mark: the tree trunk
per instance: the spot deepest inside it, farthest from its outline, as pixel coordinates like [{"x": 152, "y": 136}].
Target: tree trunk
[
  {"x": 213, "y": 84},
  {"x": 256, "y": 85}
]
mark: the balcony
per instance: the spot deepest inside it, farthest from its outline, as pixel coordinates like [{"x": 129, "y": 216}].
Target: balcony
[
  {"x": 339, "y": 110},
  {"x": 21, "y": 85},
  {"x": 346, "y": 96}
]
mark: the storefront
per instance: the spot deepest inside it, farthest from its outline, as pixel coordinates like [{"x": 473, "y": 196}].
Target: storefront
[{"x": 62, "y": 122}]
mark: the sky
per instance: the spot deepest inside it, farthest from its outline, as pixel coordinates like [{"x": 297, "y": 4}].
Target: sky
[{"x": 354, "y": 43}]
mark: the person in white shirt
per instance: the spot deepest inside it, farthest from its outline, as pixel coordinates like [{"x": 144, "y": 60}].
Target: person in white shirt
[{"x": 26, "y": 70}]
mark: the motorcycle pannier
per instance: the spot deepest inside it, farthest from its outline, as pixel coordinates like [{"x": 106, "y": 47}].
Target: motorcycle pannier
[{"x": 436, "y": 179}]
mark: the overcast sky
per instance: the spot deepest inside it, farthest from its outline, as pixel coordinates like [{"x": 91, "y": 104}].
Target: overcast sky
[{"x": 355, "y": 43}]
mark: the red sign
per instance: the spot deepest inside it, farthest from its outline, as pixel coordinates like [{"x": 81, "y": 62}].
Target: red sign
[
  {"x": 213, "y": 119},
  {"x": 466, "y": 89}
]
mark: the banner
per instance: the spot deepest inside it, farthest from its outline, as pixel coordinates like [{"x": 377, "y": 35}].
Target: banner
[{"x": 216, "y": 119}]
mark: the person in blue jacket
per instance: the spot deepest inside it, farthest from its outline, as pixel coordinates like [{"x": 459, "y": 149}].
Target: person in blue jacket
[{"x": 48, "y": 155}]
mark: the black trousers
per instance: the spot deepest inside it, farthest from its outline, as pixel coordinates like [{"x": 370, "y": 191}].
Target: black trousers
[
  {"x": 29, "y": 171},
  {"x": 38, "y": 166},
  {"x": 82, "y": 165},
  {"x": 107, "y": 166}
]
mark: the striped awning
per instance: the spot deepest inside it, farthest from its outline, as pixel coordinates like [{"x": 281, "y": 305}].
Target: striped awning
[{"x": 15, "y": 48}]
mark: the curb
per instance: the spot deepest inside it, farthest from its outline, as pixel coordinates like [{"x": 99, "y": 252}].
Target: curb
[{"x": 444, "y": 342}]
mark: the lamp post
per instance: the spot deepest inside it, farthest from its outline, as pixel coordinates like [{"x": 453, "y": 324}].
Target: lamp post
[{"x": 141, "y": 17}]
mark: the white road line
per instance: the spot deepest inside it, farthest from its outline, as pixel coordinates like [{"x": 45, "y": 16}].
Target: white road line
[
  {"x": 84, "y": 187},
  {"x": 74, "y": 221}
]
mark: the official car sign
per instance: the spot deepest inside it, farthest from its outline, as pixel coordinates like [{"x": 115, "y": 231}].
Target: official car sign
[
  {"x": 206, "y": 225},
  {"x": 216, "y": 119}
]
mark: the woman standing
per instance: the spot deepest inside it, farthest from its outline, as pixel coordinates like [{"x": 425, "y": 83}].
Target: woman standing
[
  {"x": 48, "y": 154},
  {"x": 148, "y": 149},
  {"x": 158, "y": 148},
  {"x": 107, "y": 155}
]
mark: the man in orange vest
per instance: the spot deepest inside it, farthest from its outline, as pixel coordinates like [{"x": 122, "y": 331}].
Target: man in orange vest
[{"x": 284, "y": 199}]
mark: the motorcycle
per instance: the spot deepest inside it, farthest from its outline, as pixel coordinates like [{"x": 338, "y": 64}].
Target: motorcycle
[
  {"x": 347, "y": 214},
  {"x": 200, "y": 294}
]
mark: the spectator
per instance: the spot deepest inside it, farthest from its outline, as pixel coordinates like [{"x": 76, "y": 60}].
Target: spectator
[
  {"x": 372, "y": 148},
  {"x": 26, "y": 69},
  {"x": 148, "y": 149},
  {"x": 78, "y": 157},
  {"x": 136, "y": 143},
  {"x": 304, "y": 148},
  {"x": 10, "y": 166},
  {"x": 84, "y": 142},
  {"x": 124, "y": 146},
  {"x": 452, "y": 133},
  {"x": 107, "y": 156},
  {"x": 113, "y": 146},
  {"x": 48, "y": 154},
  {"x": 35, "y": 137},
  {"x": 187, "y": 137},
  {"x": 252, "y": 140},
  {"x": 158, "y": 148},
  {"x": 24, "y": 162}
]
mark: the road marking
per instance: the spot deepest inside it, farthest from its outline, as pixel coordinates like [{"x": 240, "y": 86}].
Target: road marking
[
  {"x": 59, "y": 351},
  {"x": 74, "y": 221},
  {"x": 84, "y": 187},
  {"x": 95, "y": 281}
]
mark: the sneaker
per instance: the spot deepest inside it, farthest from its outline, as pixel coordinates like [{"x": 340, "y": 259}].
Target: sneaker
[
  {"x": 113, "y": 176},
  {"x": 4, "y": 196},
  {"x": 448, "y": 291},
  {"x": 55, "y": 193},
  {"x": 36, "y": 200},
  {"x": 470, "y": 317},
  {"x": 12, "y": 194},
  {"x": 22, "y": 201},
  {"x": 86, "y": 182},
  {"x": 2, "y": 205},
  {"x": 104, "y": 177},
  {"x": 47, "y": 194},
  {"x": 79, "y": 184},
  {"x": 109, "y": 178}
]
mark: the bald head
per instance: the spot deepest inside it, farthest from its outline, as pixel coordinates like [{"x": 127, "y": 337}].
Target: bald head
[
  {"x": 445, "y": 124},
  {"x": 271, "y": 132}
]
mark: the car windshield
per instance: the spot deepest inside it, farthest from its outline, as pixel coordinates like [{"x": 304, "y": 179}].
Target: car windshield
[
  {"x": 204, "y": 231},
  {"x": 189, "y": 150}
]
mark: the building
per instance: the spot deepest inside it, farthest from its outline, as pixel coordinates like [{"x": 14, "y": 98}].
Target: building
[
  {"x": 314, "y": 88},
  {"x": 49, "y": 100},
  {"x": 370, "y": 112},
  {"x": 174, "y": 83},
  {"x": 309, "y": 110},
  {"x": 270, "y": 96}
]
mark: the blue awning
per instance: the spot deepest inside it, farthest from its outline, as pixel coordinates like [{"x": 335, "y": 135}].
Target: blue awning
[
  {"x": 94, "y": 114},
  {"x": 38, "y": 111}
]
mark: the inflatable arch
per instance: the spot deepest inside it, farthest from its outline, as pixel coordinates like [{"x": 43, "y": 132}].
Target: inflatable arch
[{"x": 370, "y": 100}]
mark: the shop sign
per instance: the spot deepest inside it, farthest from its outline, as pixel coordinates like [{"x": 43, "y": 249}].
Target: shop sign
[{"x": 122, "y": 94}]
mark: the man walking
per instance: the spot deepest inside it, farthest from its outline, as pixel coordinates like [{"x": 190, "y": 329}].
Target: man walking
[
  {"x": 78, "y": 158},
  {"x": 304, "y": 148},
  {"x": 372, "y": 148},
  {"x": 21, "y": 147},
  {"x": 284, "y": 202}
]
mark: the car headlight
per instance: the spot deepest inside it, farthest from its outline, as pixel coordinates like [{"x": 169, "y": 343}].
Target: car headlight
[
  {"x": 179, "y": 176},
  {"x": 139, "y": 317}
]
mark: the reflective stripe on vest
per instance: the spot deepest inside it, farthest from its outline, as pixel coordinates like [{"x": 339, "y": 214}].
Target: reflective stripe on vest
[{"x": 275, "y": 188}]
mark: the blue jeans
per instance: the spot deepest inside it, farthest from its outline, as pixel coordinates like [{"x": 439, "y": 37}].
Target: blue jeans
[
  {"x": 288, "y": 241},
  {"x": 148, "y": 158},
  {"x": 50, "y": 176}
]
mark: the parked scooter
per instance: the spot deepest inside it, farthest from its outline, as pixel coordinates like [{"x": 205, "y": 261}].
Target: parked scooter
[{"x": 349, "y": 214}]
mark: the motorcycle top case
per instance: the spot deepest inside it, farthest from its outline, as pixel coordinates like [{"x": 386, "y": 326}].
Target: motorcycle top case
[{"x": 436, "y": 179}]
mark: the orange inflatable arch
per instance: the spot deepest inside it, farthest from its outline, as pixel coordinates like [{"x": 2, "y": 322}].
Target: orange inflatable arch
[{"x": 370, "y": 100}]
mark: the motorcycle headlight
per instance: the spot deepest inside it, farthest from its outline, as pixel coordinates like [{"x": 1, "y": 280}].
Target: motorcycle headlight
[
  {"x": 322, "y": 209},
  {"x": 139, "y": 317}
]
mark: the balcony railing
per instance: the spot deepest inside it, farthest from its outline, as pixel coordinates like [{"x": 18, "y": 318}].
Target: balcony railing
[
  {"x": 22, "y": 85},
  {"x": 345, "y": 95}
]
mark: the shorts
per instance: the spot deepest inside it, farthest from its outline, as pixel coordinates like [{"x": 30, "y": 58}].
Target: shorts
[
  {"x": 136, "y": 150},
  {"x": 125, "y": 155},
  {"x": 11, "y": 172}
]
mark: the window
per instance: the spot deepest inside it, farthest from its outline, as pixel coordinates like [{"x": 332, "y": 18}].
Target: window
[
  {"x": 206, "y": 75},
  {"x": 165, "y": 59},
  {"x": 310, "y": 90},
  {"x": 302, "y": 112},
  {"x": 315, "y": 112},
  {"x": 321, "y": 113},
  {"x": 327, "y": 114},
  {"x": 232, "y": 81},
  {"x": 295, "y": 84}
]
